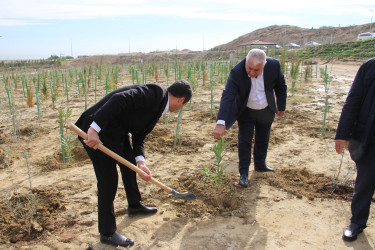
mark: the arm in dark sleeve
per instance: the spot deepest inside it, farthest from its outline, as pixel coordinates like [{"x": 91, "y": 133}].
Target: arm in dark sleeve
[
  {"x": 228, "y": 98},
  {"x": 351, "y": 107},
  {"x": 138, "y": 142},
  {"x": 118, "y": 105},
  {"x": 280, "y": 90}
]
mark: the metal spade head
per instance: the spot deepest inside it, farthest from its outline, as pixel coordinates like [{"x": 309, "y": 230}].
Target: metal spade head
[{"x": 184, "y": 196}]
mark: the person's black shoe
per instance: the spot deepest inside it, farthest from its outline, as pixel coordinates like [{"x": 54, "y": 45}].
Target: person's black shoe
[
  {"x": 141, "y": 209},
  {"x": 116, "y": 240},
  {"x": 243, "y": 180},
  {"x": 351, "y": 232},
  {"x": 263, "y": 168}
]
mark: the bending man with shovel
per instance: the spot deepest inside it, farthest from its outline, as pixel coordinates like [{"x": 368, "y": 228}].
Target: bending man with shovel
[{"x": 129, "y": 110}]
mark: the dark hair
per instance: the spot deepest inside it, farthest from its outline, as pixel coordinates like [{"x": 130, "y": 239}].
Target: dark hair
[{"x": 181, "y": 88}]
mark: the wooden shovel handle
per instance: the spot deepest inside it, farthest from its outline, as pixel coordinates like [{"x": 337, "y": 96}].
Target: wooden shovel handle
[{"x": 118, "y": 158}]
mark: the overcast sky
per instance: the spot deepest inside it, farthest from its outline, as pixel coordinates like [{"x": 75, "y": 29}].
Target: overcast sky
[{"x": 37, "y": 29}]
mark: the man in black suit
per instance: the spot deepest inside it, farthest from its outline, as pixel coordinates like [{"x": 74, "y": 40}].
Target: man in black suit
[
  {"x": 121, "y": 121},
  {"x": 249, "y": 98},
  {"x": 355, "y": 131}
]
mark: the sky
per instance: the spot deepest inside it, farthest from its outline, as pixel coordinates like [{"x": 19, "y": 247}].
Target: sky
[{"x": 37, "y": 29}]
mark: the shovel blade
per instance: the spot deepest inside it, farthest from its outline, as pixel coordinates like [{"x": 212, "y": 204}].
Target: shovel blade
[{"x": 184, "y": 196}]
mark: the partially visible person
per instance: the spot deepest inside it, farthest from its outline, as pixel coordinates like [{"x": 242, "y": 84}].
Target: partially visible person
[
  {"x": 121, "y": 121},
  {"x": 355, "y": 132},
  {"x": 249, "y": 99}
]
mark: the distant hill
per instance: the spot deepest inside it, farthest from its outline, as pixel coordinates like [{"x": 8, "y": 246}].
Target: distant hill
[
  {"x": 283, "y": 34},
  {"x": 279, "y": 34}
]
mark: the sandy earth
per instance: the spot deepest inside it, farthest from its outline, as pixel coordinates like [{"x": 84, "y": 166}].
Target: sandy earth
[{"x": 298, "y": 207}]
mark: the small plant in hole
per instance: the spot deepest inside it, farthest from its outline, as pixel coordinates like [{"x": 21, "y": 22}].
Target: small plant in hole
[
  {"x": 67, "y": 141},
  {"x": 216, "y": 174}
]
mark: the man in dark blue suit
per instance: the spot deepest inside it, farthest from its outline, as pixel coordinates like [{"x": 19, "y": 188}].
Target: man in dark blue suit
[
  {"x": 121, "y": 121},
  {"x": 355, "y": 131},
  {"x": 249, "y": 98}
]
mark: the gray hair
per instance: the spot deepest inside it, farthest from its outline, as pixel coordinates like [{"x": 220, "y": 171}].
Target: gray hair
[{"x": 258, "y": 56}]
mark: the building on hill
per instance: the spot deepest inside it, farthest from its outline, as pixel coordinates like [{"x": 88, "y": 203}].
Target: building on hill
[
  {"x": 244, "y": 48},
  {"x": 312, "y": 44},
  {"x": 366, "y": 35},
  {"x": 292, "y": 45}
]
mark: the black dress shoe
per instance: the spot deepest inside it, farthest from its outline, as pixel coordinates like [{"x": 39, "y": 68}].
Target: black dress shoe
[
  {"x": 263, "y": 168},
  {"x": 351, "y": 232},
  {"x": 141, "y": 209},
  {"x": 116, "y": 240},
  {"x": 243, "y": 180}
]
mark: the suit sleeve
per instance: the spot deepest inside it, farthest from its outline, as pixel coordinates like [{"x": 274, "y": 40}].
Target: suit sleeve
[
  {"x": 119, "y": 104},
  {"x": 228, "y": 99},
  {"x": 351, "y": 107},
  {"x": 280, "y": 89},
  {"x": 138, "y": 142}
]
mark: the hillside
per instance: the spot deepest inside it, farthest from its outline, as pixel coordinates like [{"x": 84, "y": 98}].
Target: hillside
[
  {"x": 343, "y": 51},
  {"x": 278, "y": 34},
  {"x": 292, "y": 34}
]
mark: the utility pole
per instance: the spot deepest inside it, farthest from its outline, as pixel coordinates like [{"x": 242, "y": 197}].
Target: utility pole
[
  {"x": 203, "y": 43},
  {"x": 284, "y": 36},
  {"x": 372, "y": 14},
  {"x": 71, "y": 48}
]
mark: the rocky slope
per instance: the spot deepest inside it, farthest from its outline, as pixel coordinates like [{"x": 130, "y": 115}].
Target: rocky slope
[{"x": 283, "y": 34}]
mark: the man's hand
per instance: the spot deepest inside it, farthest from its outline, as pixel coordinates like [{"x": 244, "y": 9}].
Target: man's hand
[
  {"x": 142, "y": 165},
  {"x": 340, "y": 145},
  {"x": 93, "y": 140},
  {"x": 280, "y": 113},
  {"x": 219, "y": 131}
]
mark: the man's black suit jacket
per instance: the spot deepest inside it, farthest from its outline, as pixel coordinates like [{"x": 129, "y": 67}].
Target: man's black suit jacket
[
  {"x": 237, "y": 90},
  {"x": 132, "y": 109},
  {"x": 357, "y": 120}
]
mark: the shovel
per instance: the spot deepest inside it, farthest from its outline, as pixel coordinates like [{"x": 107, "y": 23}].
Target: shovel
[{"x": 184, "y": 196}]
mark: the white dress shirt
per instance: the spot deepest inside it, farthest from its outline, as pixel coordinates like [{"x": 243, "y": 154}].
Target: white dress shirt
[{"x": 257, "y": 97}]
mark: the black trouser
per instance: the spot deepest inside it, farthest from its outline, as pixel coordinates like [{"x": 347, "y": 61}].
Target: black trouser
[
  {"x": 261, "y": 121},
  {"x": 107, "y": 181},
  {"x": 364, "y": 188}
]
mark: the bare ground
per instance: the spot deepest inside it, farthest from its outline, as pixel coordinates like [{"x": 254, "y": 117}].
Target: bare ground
[{"x": 304, "y": 205}]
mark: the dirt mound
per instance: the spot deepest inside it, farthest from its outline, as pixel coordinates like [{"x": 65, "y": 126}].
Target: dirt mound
[
  {"x": 25, "y": 217},
  {"x": 55, "y": 161},
  {"x": 185, "y": 146},
  {"x": 303, "y": 183},
  {"x": 211, "y": 199}
]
